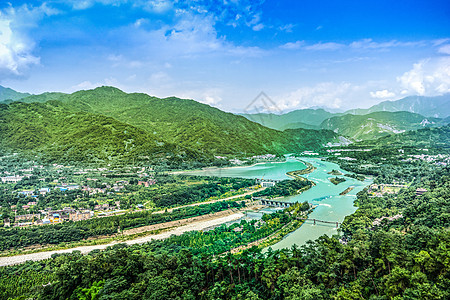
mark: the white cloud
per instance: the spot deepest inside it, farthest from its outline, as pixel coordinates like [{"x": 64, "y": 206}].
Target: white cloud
[
  {"x": 428, "y": 77},
  {"x": 326, "y": 94},
  {"x": 325, "y": 46},
  {"x": 287, "y": 27},
  {"x": 210, "y": 96},
  {"x": 439, "y": 42},
  {"x": 255, "y": 22},
  {"x": 292, "y": 46},
  {"x": 370, "y": 44},
  {"x": 366, "y": 44},
  {"x": 140, "y": 22},
  {"x": 445, "y": 49},
  {"x": 16, "y": 47},
  {"x": 382, "y": 94},
  {"x": 158, "y": 6},
  {"x": 191, "y": 36},
  {"x": 258, "y": 27},
  {"x": 85, "y": 4}
]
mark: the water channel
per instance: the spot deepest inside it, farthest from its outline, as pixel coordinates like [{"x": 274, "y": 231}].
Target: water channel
[{"x": 331, "y": 206}]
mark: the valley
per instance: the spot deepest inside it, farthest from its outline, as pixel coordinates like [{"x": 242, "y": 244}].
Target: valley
[{"x": 86, "y": 177}]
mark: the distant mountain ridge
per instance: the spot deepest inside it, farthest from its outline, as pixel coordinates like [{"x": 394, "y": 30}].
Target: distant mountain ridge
[
  {"x": 11, "y": 95},
  {"x": 183, "y": 123},
  {"x": 301, "y": 118},
  {"x": 437, "y": 107},
  {"x": 185, "y": 129},
  {"x": 378, "y": 124},
  {"x": 379, "y": 120}
]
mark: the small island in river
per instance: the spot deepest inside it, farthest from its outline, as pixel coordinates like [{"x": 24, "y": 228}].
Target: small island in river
[
  {"x": 335, "y": 172},
  {"x": 336, "y": 180}
]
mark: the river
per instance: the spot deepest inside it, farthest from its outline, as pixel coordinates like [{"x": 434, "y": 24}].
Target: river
[{"x": 331, "y": 206}]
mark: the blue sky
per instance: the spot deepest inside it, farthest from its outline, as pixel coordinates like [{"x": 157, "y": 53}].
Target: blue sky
[{"x": 335, "y": 54}]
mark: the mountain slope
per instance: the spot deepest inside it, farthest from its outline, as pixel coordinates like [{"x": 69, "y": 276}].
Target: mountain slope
[
  {"x": 55, "y": 134},
  {"x": 187, "y": 123},
  {"x": 436, "y": 138},
  {"x": 10, "y": 94},
  {"x": 377, "y": 124},
  {"x": 438, "y": 107},
  {"x": 302, "y": 118}
]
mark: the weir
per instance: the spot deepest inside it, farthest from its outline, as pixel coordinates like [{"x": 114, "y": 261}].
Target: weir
[{"x": 273, "y": 203}]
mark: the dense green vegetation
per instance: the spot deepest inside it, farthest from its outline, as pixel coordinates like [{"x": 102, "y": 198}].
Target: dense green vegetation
[
  {"x": 336, "y": 180},
  {"x": 429, "y": 107},
  {"x": 284, "y": 188},
  {"x": 395, "y": 246},
  {"x": 404, "y": 258},
  {"x": 436, "y": 140},
  {"x": 186, "y": 123},
  {"x": 57, "y": 135},
  {"x": 394, "y": 157},
  {"x": 77, "y": 231},
  {"x": 356, "y": 176},
  {"x": 175, "y": 195},
  {"x": 116, "y": 187},
  {"x": 377, "y": 124}
]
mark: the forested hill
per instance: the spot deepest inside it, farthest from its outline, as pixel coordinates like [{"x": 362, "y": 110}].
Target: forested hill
[
  {"x": 378, "y": 124},
  {"x": 426, "y": 138},
  {"x": 187, "y": 123},
  {"x": 56, "y": 135},
  {"x": 9, "y": 95}
]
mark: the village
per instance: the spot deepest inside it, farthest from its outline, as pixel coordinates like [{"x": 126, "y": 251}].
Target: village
[
  {"x": 74, "y": 193},
  {"x": 34, "y": 194}
]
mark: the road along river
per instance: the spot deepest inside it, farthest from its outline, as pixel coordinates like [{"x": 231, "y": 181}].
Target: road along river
[{"x": 331, "y": 205}]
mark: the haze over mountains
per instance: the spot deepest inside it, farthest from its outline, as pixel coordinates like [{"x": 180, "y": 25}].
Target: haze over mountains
[
  {"x": 385, "y": 118},
  {"x": 437, "y": 107},
  {"x": 9, "y": 95},
  {"x": 106, "y": 123}
]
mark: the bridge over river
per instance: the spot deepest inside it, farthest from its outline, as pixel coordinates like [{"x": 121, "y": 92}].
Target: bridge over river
[
  {"x": 320, "y": 221},
  {"x": 277, "y": 203}
]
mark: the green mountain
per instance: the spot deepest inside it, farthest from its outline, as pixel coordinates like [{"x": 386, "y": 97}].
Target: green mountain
[
  {"x": 377, "y": 124},
  {"x": 438, "y": 107},
  {"x": 187, "y": 123},
  {"x": 58, "y": 135},
  {"x": 302, "y": 118},
  {"x": 9, "y": 95},
  {"x": 435, "y": 138},
  {"x": 438, "y": 138}
]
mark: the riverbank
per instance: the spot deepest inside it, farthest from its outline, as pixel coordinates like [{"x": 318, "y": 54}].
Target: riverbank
[
  {"x": 195, "y": 225},
  {"x": 297, "y": 174}
]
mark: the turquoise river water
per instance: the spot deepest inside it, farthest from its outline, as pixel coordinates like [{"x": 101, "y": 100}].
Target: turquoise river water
[{"x": 331, "y": 206}]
